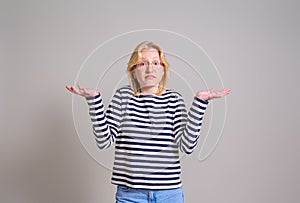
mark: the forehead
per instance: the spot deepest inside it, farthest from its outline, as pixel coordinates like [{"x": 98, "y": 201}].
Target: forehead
[{"x": 149, "y": 53}]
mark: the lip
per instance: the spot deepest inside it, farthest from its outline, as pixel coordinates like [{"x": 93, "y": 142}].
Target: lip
[{"x": 149, "y": 76}]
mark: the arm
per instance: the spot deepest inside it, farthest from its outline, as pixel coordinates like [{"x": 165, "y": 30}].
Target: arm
[
  {"x": 187, "y": 126},
  {"x": 105, "y": 125}
]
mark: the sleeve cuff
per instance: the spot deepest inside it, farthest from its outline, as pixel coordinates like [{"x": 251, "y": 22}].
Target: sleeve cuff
[
  {"x": 205, "y": 102},
  {"x": 92, "y": 98}
]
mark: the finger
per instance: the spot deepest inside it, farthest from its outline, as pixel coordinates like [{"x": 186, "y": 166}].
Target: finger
[
  {"x": 212, "y": 90},
  {"x": 74, "y": 90},
  {"x": 223, "y": 92},
  {"x": 82, "y": 89},
  {"x": 217, "y": 94},
  {"x": 70, "y": 88},
  {"x": 80, "y": 86},
  {"x": 226, "y": 90}
]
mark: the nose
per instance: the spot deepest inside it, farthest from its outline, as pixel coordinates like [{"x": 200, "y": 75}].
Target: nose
[{"x": 149, "y": 68}]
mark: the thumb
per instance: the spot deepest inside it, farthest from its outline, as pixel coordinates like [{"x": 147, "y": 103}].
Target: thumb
[{"x": 80, "y": 86}]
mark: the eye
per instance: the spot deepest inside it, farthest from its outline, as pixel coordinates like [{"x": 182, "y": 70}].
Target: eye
[
  {"x": 156, "y": 63},
  {"x": 142, "y": 64}
]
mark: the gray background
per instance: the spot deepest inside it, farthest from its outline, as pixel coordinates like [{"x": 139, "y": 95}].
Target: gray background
[{"x": 254, "y": 44}]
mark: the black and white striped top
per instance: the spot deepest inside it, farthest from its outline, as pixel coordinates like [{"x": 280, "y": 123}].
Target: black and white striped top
[{"x": 147, "y": 131}]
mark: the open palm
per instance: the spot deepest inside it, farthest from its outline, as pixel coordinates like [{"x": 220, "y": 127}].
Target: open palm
[
  {"x": 82, "y": 91},
  {"x": 212, "y": 94}
]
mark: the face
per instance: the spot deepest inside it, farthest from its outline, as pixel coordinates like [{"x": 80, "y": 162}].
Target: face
[{"x": 149, "y": 71}]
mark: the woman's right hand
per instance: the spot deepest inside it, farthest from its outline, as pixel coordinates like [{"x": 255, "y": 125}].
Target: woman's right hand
[{"x": 85, "y": 92}]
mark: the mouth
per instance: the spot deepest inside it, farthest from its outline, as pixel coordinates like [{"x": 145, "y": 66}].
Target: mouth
[{"x": 149, "y": 76}]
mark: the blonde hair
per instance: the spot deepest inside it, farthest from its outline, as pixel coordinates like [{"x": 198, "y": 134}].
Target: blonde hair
[{"x": 135, "y": 56}]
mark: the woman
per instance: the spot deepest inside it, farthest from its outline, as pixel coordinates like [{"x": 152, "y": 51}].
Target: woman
[{"x": 149, "y": 124}]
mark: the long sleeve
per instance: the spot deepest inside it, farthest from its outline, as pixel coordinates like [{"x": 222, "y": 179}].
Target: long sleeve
[
  {"x": 105, "y": 125},
  {"x": 187, "y": 126},
  {"x": 148, "y": 131}
]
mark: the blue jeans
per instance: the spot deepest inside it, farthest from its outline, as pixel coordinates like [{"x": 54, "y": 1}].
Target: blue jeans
[{"x": 129, "y": 195}]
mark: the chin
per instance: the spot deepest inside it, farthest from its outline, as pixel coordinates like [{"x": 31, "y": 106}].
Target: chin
[{"x": 149, "y": 85}]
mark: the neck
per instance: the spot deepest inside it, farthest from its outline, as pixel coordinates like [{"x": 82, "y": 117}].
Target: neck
[{"x": 149, "y": 90}]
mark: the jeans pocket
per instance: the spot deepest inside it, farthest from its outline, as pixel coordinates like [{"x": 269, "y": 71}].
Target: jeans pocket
[{"x": 123, "y": 188}]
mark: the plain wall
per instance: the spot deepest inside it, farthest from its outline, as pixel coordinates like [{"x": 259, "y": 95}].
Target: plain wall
[{"x": 47, "y": 152}]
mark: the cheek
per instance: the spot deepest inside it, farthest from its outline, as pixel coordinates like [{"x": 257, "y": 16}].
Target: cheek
[
  {"x": 138, "y": 76},
  {"x": 135, "y": 73},
  {"x": 161, "y": 73}
]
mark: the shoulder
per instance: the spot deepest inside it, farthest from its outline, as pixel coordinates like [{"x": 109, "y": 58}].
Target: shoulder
[
  {"x": 174, "y": 94},
  {"x": 124, "y": 90}
]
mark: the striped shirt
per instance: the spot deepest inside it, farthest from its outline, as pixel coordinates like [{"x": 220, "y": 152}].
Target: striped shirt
[{"x": 147, "y": 132}]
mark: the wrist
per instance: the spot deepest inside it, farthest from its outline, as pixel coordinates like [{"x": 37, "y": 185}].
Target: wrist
[
  {"x": 203, "y": 98},
  {"x": 95, "y": 94}
]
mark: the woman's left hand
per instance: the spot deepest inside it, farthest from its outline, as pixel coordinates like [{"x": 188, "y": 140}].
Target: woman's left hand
[{"x": 211, "y": 94}]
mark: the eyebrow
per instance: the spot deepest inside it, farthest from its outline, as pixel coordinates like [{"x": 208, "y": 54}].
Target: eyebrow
[{"x": 152, "y": 58}]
